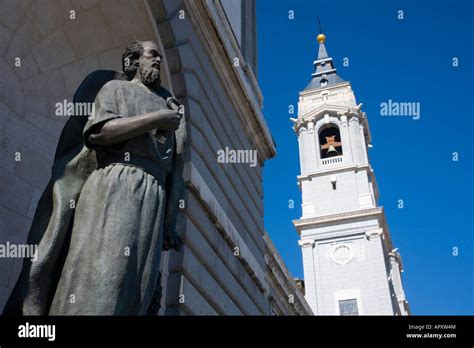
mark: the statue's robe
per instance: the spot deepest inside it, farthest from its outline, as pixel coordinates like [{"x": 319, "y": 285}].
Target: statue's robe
[{"x": 80, "y": 268}]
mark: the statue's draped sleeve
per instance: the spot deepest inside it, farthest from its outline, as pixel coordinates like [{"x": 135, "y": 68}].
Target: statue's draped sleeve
[{"x": 105, "y": 109}]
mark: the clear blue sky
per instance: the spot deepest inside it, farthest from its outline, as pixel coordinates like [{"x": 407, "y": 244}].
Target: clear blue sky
[{"x": 406, "y": 60}]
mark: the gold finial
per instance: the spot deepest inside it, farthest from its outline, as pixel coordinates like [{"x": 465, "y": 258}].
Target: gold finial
[{"x": 321, "y": 37}]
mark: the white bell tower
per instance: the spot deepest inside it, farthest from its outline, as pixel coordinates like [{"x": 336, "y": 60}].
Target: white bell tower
[{"x": 350, "y": 265}]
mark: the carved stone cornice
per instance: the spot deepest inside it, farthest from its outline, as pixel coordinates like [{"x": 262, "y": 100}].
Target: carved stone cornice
[
  {"x": 316, "y": 114},
  {"x": 319, "y": 220},
  {"x": 322, "y": 172},
  {"x": 237, "y": 81},
  {"x": 306, "y": 243},
  {"x": 374, "y": 233},
  {"x": 344, "y": 113}
]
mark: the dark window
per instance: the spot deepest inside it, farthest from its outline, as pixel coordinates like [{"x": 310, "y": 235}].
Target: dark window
[{"x": 348, "y": 307}]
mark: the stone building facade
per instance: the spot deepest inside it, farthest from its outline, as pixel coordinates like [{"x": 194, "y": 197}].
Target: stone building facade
[{"x": 228, "y": 265}]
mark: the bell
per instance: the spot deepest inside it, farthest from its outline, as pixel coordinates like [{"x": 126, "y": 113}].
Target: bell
[{"x": 332, "y": 151}]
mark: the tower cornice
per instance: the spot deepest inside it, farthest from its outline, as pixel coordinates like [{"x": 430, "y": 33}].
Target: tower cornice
[
  {"x": 307, "y": 92},
  {"x": 320, "y": 112},
  {"x": 333, "y": 170},
  {"x": 301, "y": 224}
]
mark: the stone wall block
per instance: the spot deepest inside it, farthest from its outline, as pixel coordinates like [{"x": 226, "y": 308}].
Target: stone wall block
[
  {"x": 33, "y": 168},
  {"x": 53, "y": 51},
  {"x": 26, "y": 37},
  {"x": 121, "y": 17},
  {"x": 13, "y": 11},
  {"x": 10, "y": 88},
  {"x": 48, "y": 15},
  {"x": 49, "y": 83},
  {"x": 89, "y": 24},
  {"x": 15, "y": 194},
  {"x": 27, "y": 134},
  {"x": 76, "y": 71}
]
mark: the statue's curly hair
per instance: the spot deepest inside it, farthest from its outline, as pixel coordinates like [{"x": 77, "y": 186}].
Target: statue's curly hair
[{"x": 130, "y": 59}]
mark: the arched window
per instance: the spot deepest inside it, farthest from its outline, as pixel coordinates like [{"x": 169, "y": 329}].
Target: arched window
[{"x": 330, "y": 141}]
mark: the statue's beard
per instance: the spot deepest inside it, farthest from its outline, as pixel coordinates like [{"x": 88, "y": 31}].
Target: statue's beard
[{"x": 150, "y": 75}]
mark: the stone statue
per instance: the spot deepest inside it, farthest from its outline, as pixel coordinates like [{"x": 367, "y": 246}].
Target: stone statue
[{"x": 111, "y": 205}]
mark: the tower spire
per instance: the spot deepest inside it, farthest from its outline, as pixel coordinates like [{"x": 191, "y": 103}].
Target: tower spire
[
  {"x": 322, "y": 53},
  {"x": 325, "y": 72}
]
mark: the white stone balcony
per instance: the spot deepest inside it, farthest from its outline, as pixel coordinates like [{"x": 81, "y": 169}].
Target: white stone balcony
[{"x": 331, "y": 160}]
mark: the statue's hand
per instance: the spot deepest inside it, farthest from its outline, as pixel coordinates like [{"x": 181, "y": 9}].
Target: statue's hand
[
  {"x": 168, "y": 119},
  {"x": 171, "y": 240}
]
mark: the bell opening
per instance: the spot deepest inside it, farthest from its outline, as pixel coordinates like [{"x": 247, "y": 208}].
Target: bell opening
[{"x": 330, "y": 142}]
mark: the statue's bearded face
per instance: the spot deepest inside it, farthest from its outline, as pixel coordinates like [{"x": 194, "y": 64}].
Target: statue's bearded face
[{"x": 149, "y": 65}]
